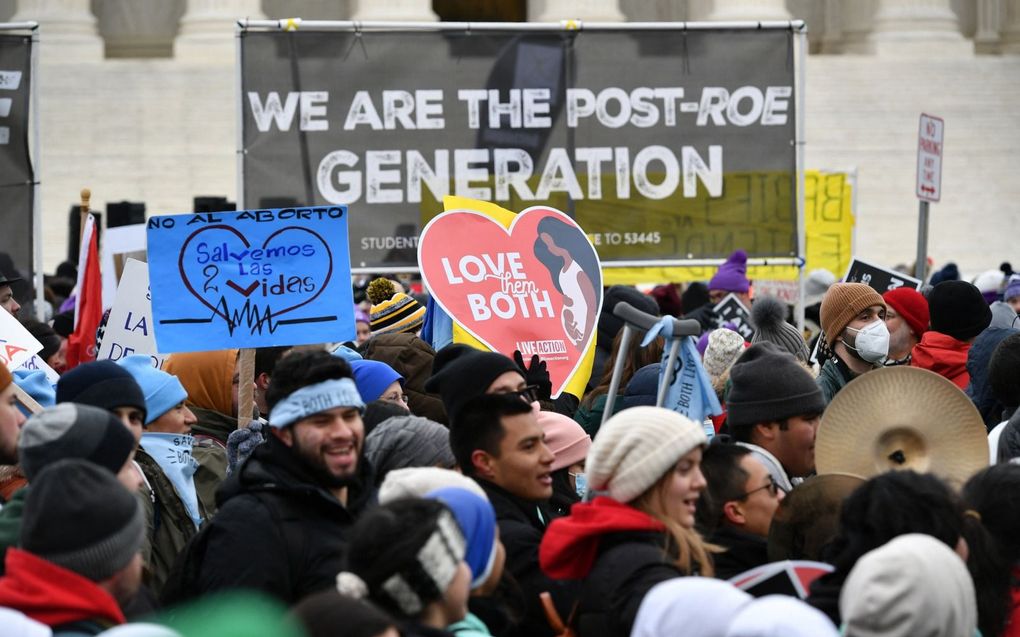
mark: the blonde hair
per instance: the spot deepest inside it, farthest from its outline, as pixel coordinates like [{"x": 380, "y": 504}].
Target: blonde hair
[{"x": 694, "y": 554}]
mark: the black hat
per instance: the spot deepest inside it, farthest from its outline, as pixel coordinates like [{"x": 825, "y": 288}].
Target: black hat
[
  {"x": 63, "y": 323},
  {"x": 5, "y": 280},
  {"x": 46, "y": 336},
  {"x": 958, "y": 309},
  {"x": 770, "y": 385},
  {"x": 102, "y": 384},
  {"x": 609, "y": 323},
  {"x": 460, "y": 373},
  {"x": 68, "y": 430},
  {"x": 78, "y": 516}
]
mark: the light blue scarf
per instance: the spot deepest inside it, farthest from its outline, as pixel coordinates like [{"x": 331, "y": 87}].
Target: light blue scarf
[
  {"x": 690, "y": 392},
  {"x": 172, "y": 452}
]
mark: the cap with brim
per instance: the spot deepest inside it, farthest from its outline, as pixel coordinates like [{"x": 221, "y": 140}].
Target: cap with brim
[
  {"x": 902, "y": 418},
  {"x": 808, "y": 517},
  {"x": 7, "y": 281}
]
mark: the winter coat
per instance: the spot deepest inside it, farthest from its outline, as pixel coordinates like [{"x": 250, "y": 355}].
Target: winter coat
[
  {"x": 169, "y": 528},
  {"x": 619, "y": 552},
  {"x": 743, "y": 552},
  {"x": 521, "y": 527},
  {"x": 1012, "y": 628},
  {"x": 980, "y": 390},
  {"x": 943, "y": 355},
  {"x": 412, "y": 358},
  {"x": 277, "y": 531},
  {"x": 10, "y": 522},
  {"x": 833, "y": 377},
  {"x": 212, "y": 425},
  {"x": 470, "y": 626},
  {"x": 55, "y": 596}
]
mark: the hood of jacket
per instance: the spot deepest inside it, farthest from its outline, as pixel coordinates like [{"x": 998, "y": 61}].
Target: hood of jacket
[
  {"x": 571, "y": 544},
  {"x": 943, "y": 355},
  {"x": 980, "y": 390},
  {"x": 213, "y": 424},
  {"x": 273, "y": 467},
  {"x": 53, "y": 595},
  {"x": 411, "y": 357}
]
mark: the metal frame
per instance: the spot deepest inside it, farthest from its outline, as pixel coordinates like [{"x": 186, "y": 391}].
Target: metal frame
[
  {"x": 35, "y": 156},
  {"x": 798, "y": 27}
]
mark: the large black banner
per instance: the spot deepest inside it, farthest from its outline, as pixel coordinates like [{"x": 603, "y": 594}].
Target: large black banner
[
  {"x": 16, "y": 175},
  {"x": 661, "y": 144}
]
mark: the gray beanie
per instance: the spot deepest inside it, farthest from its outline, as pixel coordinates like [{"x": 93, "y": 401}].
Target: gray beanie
[
  {"x": 768, "y": 315},
  {"x": 408, "y": 441},
  {"x": 770, "y": 385},
  {"x": 69, "y": 430},
  {"x": 78, "y": 516}
]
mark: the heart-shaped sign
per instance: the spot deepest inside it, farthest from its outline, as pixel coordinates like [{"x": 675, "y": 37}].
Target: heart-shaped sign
[
  {"x": 239, "y": 274},
  {"x": 535, "y": 286}
]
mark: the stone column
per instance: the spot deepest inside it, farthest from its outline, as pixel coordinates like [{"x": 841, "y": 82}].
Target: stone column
[
  {"x": 207, "y": 29},
  {"x": 856, "y": 20},
  {"x": 402, "y": 10},
  {"x": 989, "y": 21},
  {"x": 68, "y": 29},
  {"x": 917, "y": 26},
  {"x": 736, "y": 10},
  {"x": 1011, "y": 28},
  {"x": 591, "y": 10}
]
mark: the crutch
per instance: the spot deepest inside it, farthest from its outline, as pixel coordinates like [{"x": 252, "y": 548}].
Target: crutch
[{"x": 635, "y": 319}]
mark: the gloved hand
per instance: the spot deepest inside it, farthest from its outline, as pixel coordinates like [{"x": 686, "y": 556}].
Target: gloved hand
[
  {"x": 536, "y": 374},
  {"x": 241, "y": 443},
  {"x": 706, "y": 316}
]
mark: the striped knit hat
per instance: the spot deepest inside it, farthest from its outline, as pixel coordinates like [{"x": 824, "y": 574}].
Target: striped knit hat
[
  {"x": 638, "y": 446},
  {"x": 393, "y": 312}
]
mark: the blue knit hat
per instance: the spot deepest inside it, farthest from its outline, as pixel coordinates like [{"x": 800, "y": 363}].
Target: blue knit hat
[
  {"x": 477, "y": 521},
  {"x": 162, "y": 390},
  {"x": 373, "y": 377},
  {"x": 36, "y": 385},
  {"x": 102, "y": 384}
]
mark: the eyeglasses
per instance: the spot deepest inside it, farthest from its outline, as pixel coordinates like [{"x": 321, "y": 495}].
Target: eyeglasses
[
  {"x": 396, "y": 398},
  {"x": 771, "y": 486},
  {"x": 529, "y": 394}
]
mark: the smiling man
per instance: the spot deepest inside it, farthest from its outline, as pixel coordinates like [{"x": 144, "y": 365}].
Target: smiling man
[{"x": 284, "y": 515}]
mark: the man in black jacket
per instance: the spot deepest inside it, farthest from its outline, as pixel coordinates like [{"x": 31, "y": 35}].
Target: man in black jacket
[
  {"x": 283, "y": 516},
  {"x": 498, "y": 442}
]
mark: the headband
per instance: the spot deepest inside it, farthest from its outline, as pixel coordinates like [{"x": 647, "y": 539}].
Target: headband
[{"x": 329, "y": 394}]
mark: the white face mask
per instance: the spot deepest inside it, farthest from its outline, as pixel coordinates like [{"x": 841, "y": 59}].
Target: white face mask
[{"x": 872, "y": 341}]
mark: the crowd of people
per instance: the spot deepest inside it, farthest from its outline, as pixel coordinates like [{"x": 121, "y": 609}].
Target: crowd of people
[{"x": 401, "y": 485}]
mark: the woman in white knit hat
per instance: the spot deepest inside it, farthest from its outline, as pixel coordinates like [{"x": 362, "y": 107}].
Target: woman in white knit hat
[{"x": 644, "y": 468}]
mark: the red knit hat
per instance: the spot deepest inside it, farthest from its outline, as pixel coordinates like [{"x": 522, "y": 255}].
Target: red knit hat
[{"x": 912, "y": 306}]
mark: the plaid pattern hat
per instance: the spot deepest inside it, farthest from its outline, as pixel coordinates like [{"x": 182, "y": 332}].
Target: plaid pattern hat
[{"x": 393, "y": 312}]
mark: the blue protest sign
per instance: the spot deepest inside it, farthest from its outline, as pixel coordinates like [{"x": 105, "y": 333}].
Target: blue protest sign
[{"x": 254, "y": 278}]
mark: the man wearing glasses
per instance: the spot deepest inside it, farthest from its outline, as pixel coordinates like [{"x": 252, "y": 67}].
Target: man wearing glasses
[{"x": 737, "y": 510}]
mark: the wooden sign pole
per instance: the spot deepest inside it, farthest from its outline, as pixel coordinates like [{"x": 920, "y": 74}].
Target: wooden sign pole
[
  {"x": 83, "y": 212},
  {"x": 30, "y": 403},
  {"x": 246, "y": 385}
]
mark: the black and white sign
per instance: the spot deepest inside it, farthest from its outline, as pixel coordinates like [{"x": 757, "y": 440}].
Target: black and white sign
[
  {"x": 16, "y": 174},
  {"x": 877, "y": 277},
  {"x": 731, "y": 310}
]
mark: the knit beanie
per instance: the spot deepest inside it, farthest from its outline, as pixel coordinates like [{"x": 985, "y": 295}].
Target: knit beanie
[
  {"x": 817, "y": 284},
  {"x": 694, "y": 297},
  {"x": 207, "y": 377},
  {"x": 477, "y": 521},
  {"x": 688, "y": 606},
  {"x": 913, "y": 585},
  {"x": 461, "y": 372},
  {"x": 949, "y": 273},
  {"x": 770, "y": 385},
  {"x": 1012, "y": 288},
  {"x": 958, "y": 309},
  {"x": 732, "y": 275},
  {"x": 162, "y": 391},
  {"x": 373, "y": 377},
  {"x": 636, "y": 447},
  {"x": 842, "y": 303},
  {"x": 668, "y": 300},
  {"x": 46, "y": 336},
  {"x": 102, "y": 384},
  {"x": 35, "y": 383},
  {"x": 724, "y": 347},
  {"x": 69, "y": 430},
  {"x": 107, "y": 522},
  {"x": 780, "y": 616},
  {"x": 768, "y": 315},
  {"x": 5, "y": 377},
  {"x": 393, "y": 311},
  {"x": 565, "y": 438},
  {"x": 911, "y": 306},
  {"x": 408, "y": 441},
  {"x": 989, "y": 283},
  {"x": 609, "y": 323},
  {"x": 415, "y": 482},
  {"x": 403, "y": 556},
  {"x": 63, "y": 324}
]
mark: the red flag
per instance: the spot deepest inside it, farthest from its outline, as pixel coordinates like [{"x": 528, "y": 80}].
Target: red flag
[{"x": 88, "y": 307}]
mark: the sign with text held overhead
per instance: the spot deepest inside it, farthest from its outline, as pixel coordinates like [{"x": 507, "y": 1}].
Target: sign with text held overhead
[
  {"x": 255, "y": 278},
  {"x": 535, "y": 287},
  {"x": 665, "y": 144},
  {"x": 929, "y": 158},
  {"x": 129, "y": 329}
]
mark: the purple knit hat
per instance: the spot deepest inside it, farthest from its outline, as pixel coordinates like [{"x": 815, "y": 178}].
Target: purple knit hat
[{"x": 732, "y": 275}]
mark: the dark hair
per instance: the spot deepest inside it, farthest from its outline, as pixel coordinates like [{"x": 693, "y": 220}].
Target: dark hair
[
  {"x": 564, "y": 494},
  {"x": 567, "y": 237},
  {"x": 744, "y": 433},
  {"x": 379, "y": 410},
  {"x": 302, "y": 369},
  {"x": 1004, "y": 371},
  {"x": 266, "y": 359},
  {"x": 479, "y": 425},
  {"x": 726, "y": 480},
  {"x": 330, "y": 614}
]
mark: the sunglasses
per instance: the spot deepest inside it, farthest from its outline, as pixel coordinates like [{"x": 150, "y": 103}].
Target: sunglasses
[
  {"x": 529, "y": 394},
  {"x": 772, "y": 487}
]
